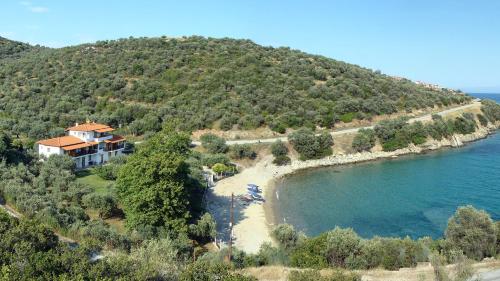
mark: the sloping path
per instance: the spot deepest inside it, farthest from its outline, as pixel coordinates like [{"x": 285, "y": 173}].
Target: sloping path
[
  {"x": 423, "y": 118},
  {"x": 13, "y": 213}
]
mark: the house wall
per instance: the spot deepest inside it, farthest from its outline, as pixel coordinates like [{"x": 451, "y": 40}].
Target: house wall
[
  {"x": 49, "y": 150},
  {"x": 85, "y": 136},
  {"x": 95, "y": 159}
]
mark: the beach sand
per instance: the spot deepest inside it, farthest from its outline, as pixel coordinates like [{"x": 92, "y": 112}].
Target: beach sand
[{"x": 251, "y": 228}]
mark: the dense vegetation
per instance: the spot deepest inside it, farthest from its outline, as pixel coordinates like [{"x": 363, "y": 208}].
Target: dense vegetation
[
  {"x": 202, "y": 82},
  {"x": 470, "y": 233},
  {"x": 13, "y": 49},
  {"x": 137, "y": 85},
  {"x": 311, "y": 146},
  {"x": 155, "y": 186},
  {"x": 31, "y": 251},
  {"x": 398, "y": 133},
  {"x": 162, "y": 177},
  {"x": 49, "y": 192}
]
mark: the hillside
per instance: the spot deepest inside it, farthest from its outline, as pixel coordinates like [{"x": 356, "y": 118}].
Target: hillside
[
  {"x": 13, "y": 49},
  {"x": 200, "y": 82}
]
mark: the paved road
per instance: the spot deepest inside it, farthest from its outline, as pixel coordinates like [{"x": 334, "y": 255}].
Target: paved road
[{"x": 423, "y": 118}]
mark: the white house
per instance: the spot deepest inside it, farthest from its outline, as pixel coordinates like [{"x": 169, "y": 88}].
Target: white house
[{"x": 88, "y": 144}]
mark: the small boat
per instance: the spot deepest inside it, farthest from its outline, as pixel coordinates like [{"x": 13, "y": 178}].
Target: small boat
[
  {"x": 246, "y": 198},
  {"x": 258, "y": 198},
  {"x": 255, "y": 196},
  {"x": 254, "y": 189}
]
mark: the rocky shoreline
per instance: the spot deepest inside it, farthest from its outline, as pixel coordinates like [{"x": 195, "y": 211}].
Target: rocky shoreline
[{"x": 454, "y": 141}]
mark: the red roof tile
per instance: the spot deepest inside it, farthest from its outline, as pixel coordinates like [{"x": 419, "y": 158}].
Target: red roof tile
[
  {"x": 61, "y": 141},
  {"x": 88, "y": 127},
  {"x": 79, "y": 145}
]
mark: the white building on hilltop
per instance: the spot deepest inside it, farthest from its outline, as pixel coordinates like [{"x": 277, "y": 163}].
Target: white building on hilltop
[{"x": 88, "y": 144}]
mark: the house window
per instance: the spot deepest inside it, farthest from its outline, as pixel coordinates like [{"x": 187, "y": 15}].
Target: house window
[
  {"x": 101, "y": 145},
  {"x": 48, "y": 149}
]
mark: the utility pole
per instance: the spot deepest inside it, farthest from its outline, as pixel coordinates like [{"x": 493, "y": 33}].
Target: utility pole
[{"x": 231, "y": 223}]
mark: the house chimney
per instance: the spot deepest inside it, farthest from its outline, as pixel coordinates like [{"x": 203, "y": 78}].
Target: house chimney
[{"x": 76, "y": 123}]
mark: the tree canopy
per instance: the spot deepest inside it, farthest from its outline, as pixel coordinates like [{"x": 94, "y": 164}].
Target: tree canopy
[
  {"x": 140, "y": 83},
  {"x": 154, "y": 183}
]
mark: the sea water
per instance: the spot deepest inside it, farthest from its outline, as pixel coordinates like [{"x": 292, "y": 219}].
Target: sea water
[{"x": 410, "y": 195}]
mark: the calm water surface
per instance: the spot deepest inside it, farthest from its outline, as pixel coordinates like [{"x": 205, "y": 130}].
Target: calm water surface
[{"x": 411, "y": 195}]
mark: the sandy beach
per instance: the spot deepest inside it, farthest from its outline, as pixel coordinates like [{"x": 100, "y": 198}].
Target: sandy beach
[
  {"x": 251, "y": 227},
  {"x": 254, "y": 221}
]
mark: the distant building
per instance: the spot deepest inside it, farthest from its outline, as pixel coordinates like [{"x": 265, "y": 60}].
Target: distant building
[{"x": 88, "y": 144}]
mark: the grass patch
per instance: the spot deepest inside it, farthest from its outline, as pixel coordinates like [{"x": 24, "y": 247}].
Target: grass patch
[{"x": 99, "y": 184}]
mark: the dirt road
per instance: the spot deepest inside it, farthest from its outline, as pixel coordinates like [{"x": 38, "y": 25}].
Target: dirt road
[{"x": 423, "y": 118}]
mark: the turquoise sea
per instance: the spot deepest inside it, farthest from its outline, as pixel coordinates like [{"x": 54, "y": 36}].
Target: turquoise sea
[{"x": 409, "y": 195}]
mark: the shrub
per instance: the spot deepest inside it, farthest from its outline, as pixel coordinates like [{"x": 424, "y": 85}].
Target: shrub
[
  {"x": 491, "y": 110},
  {"x": 390, "y": 134},
  {"x": 482, "y": 120},
  {"x": 440, "y": 129},
  {"x": 341, "y": 243},
  {"x": 213, "y": 144},
  {"x": 157, "y": 257},
  {"x": 286, "y": 236},
  {"x": 364, "y": 140},
  {"x": 269, "y": 255},
  {"x": 240, "y": 151},
  {"x": 204, "y": 230},
  {"x": 220, "y": 168},
  {"x": 105, "y": 204},
  {"x": 105, "y": 171},
  {"x": 310, "y": 146},
  {"x": 347, "y": 117},
  {"x": 278, "y": 127},
  {"x": 212, "y": 159},
  {"x": 278, "y": 148},
  {"x": 314, "y": 275},
  {"x": 311, "y": 253},
  {"x": 109, "y": 171},
  {"x": 473, "y": 232},
  {"x": 204, "y": 270},
  {"x": 416, "y": 132},
  {"x": 465, "y": 124},
  {"x": 282, "y": 160}
]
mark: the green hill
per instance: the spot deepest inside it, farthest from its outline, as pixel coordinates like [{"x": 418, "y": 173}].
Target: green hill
[
  {"x": 12, "y": 49},
  {"x": 200, "y": 82}
]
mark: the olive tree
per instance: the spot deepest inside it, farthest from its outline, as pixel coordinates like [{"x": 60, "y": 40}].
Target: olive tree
[
  {"x": 473, "y": 232},
  {"x": 364, "y": 140},
  {"x": 310, "y": 146},
  {"x": 286, "y": 235},
  {"x": 213, "y": 143},
  {"x": 341, "y": 243}
]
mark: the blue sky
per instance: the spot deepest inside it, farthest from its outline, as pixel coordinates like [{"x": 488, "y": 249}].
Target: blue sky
[{"x": 453, "y": 43}]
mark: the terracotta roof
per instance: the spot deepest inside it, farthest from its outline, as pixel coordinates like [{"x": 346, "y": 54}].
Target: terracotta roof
[
  {"x": 61, "y": 141},
  {"x": 116, "y": 138},
  {"x": 88, "y": 127},
  {"x": 109, "y": 129},
  {"x": 79, "y": 145}
]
